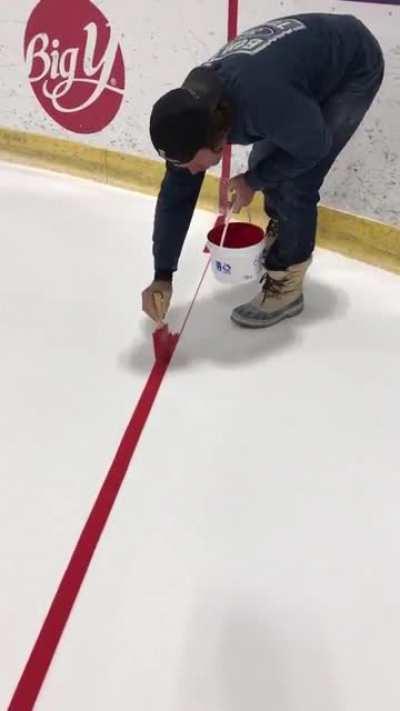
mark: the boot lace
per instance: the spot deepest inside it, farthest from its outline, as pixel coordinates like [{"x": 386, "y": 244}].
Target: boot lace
[{"x": 270, "y": 286}]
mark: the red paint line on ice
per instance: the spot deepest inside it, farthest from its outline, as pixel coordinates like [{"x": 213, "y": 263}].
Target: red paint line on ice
[
  {"x": 44, "y": 649},
  {"x": 46, "y": 644}
]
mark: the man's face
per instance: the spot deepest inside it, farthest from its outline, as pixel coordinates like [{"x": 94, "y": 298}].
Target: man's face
[{"x": 204, "y": 159}]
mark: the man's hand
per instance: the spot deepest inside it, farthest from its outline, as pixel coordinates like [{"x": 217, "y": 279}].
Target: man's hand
[
  {"x": 243, "y": 193},
  {"x": 156, "y": 300}
]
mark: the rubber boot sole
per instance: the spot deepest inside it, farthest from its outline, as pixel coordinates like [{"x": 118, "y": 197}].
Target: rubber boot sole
[{"x": 264, "y": 320}]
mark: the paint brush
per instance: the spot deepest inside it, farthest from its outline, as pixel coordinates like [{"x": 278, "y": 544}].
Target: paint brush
[{"x": 164, "y": 342}]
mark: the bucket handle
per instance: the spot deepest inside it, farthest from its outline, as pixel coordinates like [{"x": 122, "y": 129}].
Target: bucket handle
[{"x": 228, "y": 218}]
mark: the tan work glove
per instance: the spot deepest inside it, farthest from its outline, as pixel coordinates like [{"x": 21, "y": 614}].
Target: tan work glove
[{"x": 156, "y": 300}]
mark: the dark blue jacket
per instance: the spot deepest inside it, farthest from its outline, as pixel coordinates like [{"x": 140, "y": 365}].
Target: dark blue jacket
[{"x": 276, "y": 77}]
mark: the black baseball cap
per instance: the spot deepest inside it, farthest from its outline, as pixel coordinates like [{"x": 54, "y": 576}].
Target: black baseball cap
[{"x": 180, "y": 120}]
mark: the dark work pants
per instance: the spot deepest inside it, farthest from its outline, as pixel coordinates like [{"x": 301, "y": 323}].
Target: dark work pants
[{"x": 293, "y": 203}]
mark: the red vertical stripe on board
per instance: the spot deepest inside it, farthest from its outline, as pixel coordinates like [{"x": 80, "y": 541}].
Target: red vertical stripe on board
[
  {"x": 227, "y": 154},
  {"x": 233, "y": 6},
  {"x": 44, "y": 649}
]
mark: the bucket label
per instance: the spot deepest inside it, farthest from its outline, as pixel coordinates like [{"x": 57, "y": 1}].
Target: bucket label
[{"x": 223, "y": 267}]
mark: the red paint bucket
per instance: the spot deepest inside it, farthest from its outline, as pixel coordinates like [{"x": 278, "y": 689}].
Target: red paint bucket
[{"x": 240, "y": 258}]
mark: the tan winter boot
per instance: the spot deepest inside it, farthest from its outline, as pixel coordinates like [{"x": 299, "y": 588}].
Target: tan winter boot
[{"x": 281, "y": 297}]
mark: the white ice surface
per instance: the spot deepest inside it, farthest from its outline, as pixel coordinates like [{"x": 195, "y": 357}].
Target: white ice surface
[{"x": 251, "y": 561}]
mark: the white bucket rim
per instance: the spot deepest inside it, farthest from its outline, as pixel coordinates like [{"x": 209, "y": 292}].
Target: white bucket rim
[{"x": 235, "y": 250}]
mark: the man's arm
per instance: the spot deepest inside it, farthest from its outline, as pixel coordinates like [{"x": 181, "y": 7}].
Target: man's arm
[{"x": 174, "y": 210}]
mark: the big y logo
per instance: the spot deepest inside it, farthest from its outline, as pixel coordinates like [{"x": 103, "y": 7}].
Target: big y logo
[{"x": 75, "y": 64}]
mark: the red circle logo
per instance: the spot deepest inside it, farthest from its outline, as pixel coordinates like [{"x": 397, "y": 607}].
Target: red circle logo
[{"x": 75, "y": 64}]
